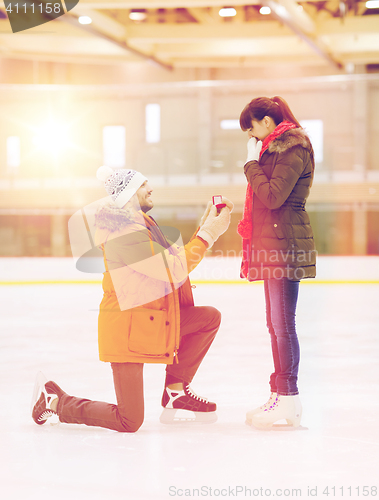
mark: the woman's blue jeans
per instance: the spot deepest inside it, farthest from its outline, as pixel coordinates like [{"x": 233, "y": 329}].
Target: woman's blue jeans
[{"x": 281, "y": 299}]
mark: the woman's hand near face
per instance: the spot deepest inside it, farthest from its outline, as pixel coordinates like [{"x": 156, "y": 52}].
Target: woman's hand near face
[{"x": 253, "y": 149}]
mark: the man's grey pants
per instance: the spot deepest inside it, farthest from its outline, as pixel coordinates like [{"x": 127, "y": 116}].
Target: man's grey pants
[{"x": 198, "y": 327}]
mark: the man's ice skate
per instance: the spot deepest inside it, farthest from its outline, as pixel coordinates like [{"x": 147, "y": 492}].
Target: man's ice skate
[
  {"x": 267, "y": 405},
  {"x": 284, "y": 408},
  {"x": 45, "y": 394},
  {"x": 185, "y": 406}
]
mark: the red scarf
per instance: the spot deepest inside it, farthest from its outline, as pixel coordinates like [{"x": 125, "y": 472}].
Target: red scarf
[{"x": 245, "y": 225}]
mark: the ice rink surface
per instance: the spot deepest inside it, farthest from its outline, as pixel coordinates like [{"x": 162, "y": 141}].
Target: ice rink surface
[{"x": 53, "y": 328}]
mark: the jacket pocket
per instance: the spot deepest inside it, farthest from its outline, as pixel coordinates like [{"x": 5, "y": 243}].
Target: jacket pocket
[
  {"x": 278, "y": 231},
  {"x": 148, "y": 332}
]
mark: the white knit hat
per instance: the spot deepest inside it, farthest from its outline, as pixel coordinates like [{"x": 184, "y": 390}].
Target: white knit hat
[{"x": 120, "y": 184}]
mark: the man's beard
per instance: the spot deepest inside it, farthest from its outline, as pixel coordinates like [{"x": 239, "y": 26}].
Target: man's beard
[{"x": 145, "y": 209}]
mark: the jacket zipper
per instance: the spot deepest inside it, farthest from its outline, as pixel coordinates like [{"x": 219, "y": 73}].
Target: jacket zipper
[{"x": 176, "y": 360}]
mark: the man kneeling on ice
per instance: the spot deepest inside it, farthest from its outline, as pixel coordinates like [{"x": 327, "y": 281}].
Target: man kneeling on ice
[{"x": 147, "y": 314}]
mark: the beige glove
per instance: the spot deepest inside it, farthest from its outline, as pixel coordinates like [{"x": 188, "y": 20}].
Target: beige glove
[
  {"x": 215, "y": 225},
  {"x": 227, "y": 202},
  {"x": 205, "y": 214}
]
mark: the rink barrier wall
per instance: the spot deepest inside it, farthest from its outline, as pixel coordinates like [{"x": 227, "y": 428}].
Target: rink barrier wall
[
  {"x": 212, "y": 270},
  {"x": 193, "y": 282}
]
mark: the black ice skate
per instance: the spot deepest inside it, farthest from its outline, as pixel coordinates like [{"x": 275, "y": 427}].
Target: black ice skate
[
  {"x": 186, "y": 406},
  {"x": 44, "y": 394}
]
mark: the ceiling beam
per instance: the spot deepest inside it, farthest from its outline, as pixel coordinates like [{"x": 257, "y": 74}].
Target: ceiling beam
[
  {"x": 97, "y": 32},
  {"x": 285, "y": 11},
  {"x": 204, "y": 16},
  {"x": 165, "y": 4},
  {"x": 191, "y": 32},
  {"x": 351, "y": 25},
  {"x": 82, "y": 59},
  {"x": 196, "y": 61},
  {"x": 162, "y": 4},
  {"x": 102, "y": 22},
  {"x": 290, "y": 9},
  {"x": 227, "y": 48}
]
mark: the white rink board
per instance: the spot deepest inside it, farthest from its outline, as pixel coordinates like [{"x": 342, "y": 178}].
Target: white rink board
[{"x": 350, "y": 268}]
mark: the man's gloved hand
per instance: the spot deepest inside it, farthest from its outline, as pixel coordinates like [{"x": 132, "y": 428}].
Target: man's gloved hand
[
  {"x": 227, "y": 202},
  {"x": 206, "y": 213},
  {"x": 253, "y": 149},
  {"x": 214, "y": 225}
]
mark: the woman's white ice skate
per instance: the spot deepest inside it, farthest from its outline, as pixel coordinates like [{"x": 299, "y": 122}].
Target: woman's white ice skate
[
  {"x": 186, "y": 406},
  {"x": 268, "y": 404},
  {"x": 285, "y": 408}
]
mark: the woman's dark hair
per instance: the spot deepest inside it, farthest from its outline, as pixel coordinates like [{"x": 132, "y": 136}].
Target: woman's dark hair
[{"x": 258, "y": 108}]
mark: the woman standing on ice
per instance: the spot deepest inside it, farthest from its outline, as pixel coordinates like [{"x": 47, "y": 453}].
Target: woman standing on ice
[{"x": 278, "y": 245}]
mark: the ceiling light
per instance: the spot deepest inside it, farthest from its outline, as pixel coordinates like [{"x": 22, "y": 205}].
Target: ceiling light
[
  {"x": 85, "y": 20},
  {"x": 227, "y": 12},
  {"x": 137, "y": 15},
  {"x": 372, "y": 4},
  {"x": 265, "y": 11}
]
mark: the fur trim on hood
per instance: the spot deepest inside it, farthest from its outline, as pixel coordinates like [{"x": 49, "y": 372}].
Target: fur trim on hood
[
  {"x": 113, "y": 218},
  {"x": 290, "y": 139}
]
